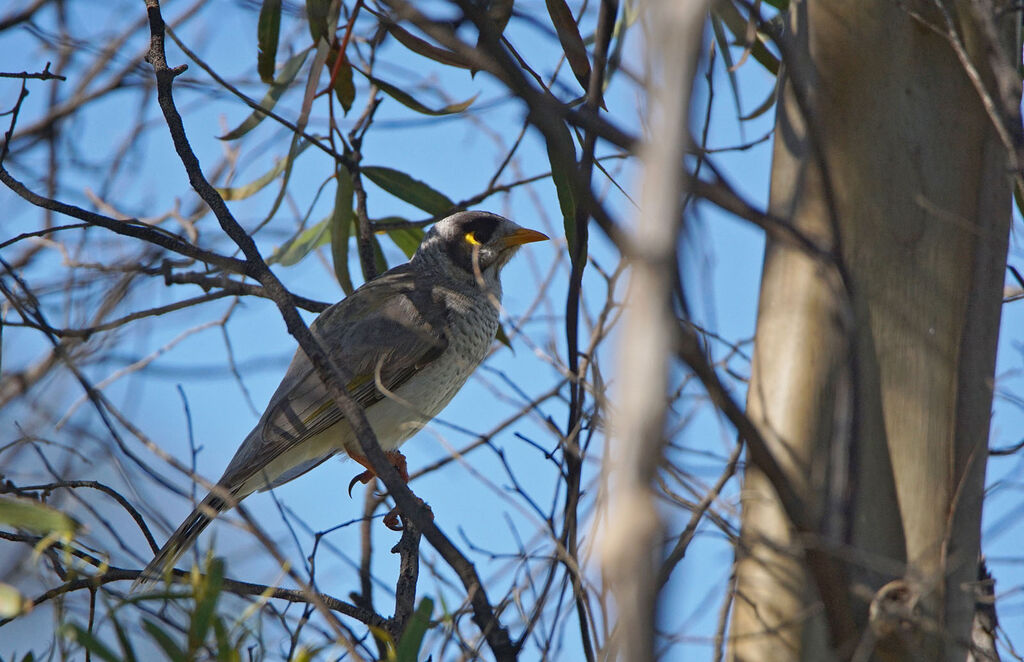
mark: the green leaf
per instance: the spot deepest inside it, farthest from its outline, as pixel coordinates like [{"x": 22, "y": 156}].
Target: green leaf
[
  {"x": 267, "y": 32},
  {"x": 402, "y": 186},
  {"x": 297, "y": 144},
  {"x": 35, "y": 517},
  {"x": 499, "y": 11},
  {"x": 380, "y": 263},
  {"x": 411, "y": 102},
  {"x": 425, "y": 48},
  {"x": 12, "y": 602},
  {"x": 342, "y": 83},
  {"x": 572, "y": 42},
  {"x": 208, "y": 592},
  {"x": 723, "y": 48},
  {"x": 88, "y": 641},
  {"x": 296, "y": 248},
  {"x": 123, "y": 639},
  {"x": 407, "y": 239},
  {"x": 502, "y": 337},
  {"x": 737, "y": 25},
  {"x": 258, "y": 184},
  {"x": 766, "y": 105},
  {"x": 316, "y": 13},
  {"x": 164, "y": 641},
  {"x": 409, "y": 646},
  {"x": 270, "y": 99},
  {"x": 225, "y": 651},
  {"x": 562, "y": 155},
  {"x": 341, "y": 227}
]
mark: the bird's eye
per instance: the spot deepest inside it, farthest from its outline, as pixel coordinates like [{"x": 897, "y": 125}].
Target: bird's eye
[{"x": 471, "y": 239}]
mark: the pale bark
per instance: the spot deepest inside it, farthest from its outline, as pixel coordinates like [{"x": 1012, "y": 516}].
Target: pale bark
[
  {"x": 632, "y": 539},
  {"x": 873, "y": 374}
]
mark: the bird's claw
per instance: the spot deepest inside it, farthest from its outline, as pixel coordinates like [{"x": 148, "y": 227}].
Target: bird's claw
[
  {"x": 363, "y": 478},
  {"x": 395, "y": 458},
  {"x": 392, "y": 519}
]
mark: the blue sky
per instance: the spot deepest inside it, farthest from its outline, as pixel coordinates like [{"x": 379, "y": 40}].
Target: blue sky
[{"x": 470, "y": 498}]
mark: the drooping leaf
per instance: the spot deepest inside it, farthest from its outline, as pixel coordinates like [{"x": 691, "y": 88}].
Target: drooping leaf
[
  {"x": 267, "y": 32},
  {"x": 407, "y": 239},
  {"x": 502, "y": 337},
  {"x": 226, "y": 652},
  {"x": 270, "y": 99},
  {"x": 208, "y": 592},
  {"x": 341, "y": 227},
  {"x": 296, "y": 248},
  {"x": 341, "y": 82},
  {"x": 569, "y": 37},
  {"x": 411, "y": 102},
  {"x": 380, "y": 263},
  {"x": 127, "y": 650},
  {"x": 425, "y": 48},
  {"x": 35, "y": 517},
  {"x": 255, "y": 186},
  {"x": 413, "y": 191},
  {"x": 723, "y": 47},
  {"x": 317, "y": 14},
  {"x": 88, "y": 641},
  {"x": 499, "y": 11},
  {"x": 562, "y": 155},
  {"x": 765, "y": 105},
  {"x": 737, "y": 25},
  {"x": 165, "y": 641},
  {"x": 12, "y": 602},
  {"x": 297, "y": 143},
  {"x": 412, "y": 639}
]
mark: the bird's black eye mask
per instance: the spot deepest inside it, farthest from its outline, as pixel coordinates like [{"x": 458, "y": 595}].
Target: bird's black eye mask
[
  {"x": 479, "y": 231},
  {"x": 473, "y": 236}
]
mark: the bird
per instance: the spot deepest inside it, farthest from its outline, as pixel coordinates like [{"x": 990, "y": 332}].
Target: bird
[{"x": 410, "y": 337}]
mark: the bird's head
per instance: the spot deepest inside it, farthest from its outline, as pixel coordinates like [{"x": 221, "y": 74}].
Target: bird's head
[{"x": 476, "y": 242}]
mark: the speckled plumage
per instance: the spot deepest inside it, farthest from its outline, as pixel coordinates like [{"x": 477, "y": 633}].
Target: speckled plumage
[{"x": 411, "y": 337}]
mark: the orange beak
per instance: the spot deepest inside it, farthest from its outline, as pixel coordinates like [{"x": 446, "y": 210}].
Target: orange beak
[{"x": 523, "y": 236}]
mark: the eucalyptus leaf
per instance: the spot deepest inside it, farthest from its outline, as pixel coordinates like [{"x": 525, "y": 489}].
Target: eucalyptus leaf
[
  {"x": 165, "y": 641},
  {"x": 206, "y": 602},
  {"x": 316, "y": 13},
  {"x": 341, "y": 227},
  {"x": 281, "y": 83},
  {"x": 12, "y": 602},
  {"x": 425, "y": 48},
  {"x": 503, "y": 338},
  {"x": 569, "y": 36},
  {"x": 292, "y": 251},
  {"x": 407, "y": 239},
  {"x": 412, "y": 639},
  {"x": 35, "y": 517},
  {"x": 258, "y": 184},
  {"x": 89, "y": 642},
  {"x": 342, "y": 83},
  {"x": 409, "y": 101},
  {"x": 404, "y": 187},
  {"x": 562, "y": 155},
  {"x": 267, "y": 33}
]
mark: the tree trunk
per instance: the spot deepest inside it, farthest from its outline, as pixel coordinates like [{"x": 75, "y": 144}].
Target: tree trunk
[{"x": 872, "y": 375}]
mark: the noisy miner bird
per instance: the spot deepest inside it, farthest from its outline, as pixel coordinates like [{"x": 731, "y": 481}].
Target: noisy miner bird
[{"x": 411, "y": 337}]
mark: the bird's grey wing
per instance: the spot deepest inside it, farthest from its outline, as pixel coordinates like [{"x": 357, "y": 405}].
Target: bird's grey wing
[{"x": 392, "y": 325}]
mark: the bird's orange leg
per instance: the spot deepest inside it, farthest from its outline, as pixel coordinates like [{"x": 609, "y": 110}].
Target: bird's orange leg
[{"x": 397, "y": 460}]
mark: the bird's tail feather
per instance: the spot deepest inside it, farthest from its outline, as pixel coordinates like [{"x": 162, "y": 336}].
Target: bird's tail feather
[{"x": 182, "y": 539}]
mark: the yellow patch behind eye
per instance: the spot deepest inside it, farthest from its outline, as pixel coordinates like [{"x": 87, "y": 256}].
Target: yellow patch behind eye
[{"x": 471, "y": 239}]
